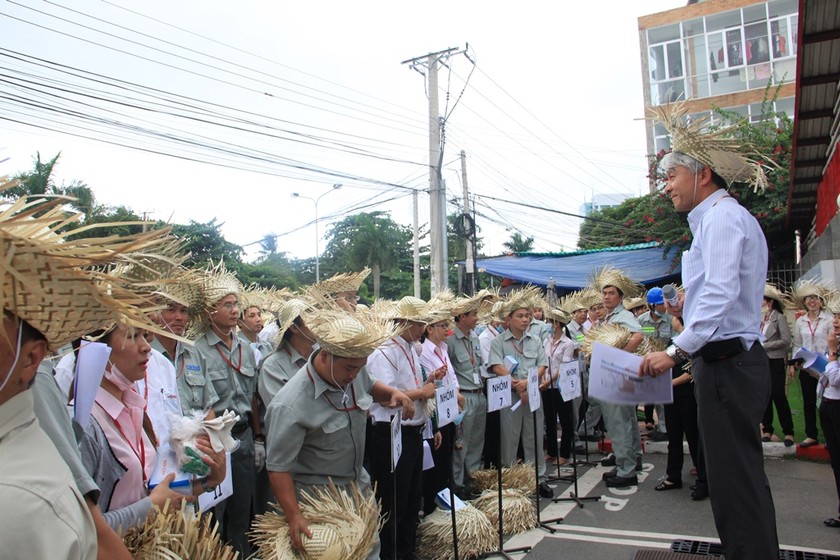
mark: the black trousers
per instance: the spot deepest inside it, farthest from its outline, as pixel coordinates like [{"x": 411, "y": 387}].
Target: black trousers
[
  {"x": 731, "y": 397},
  {"x": 682, "y": 422},
  {"x": 437, "y": 478},
  {"x": 830, "y": 420},
  {"x": 555, "y": 407},
  {"x": 778, "y": 398},
  {"x": 400, "y": 509},
  {"x": 809, "y": 404},
  {"x": 492, "y": 440}
]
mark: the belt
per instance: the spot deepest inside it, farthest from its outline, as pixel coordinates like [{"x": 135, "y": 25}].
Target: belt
[
  {"x": 472, "y": 391},
  {"x": 826, "y": 399}
]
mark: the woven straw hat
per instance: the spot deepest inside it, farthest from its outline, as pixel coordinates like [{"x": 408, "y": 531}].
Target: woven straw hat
[
  {"x": 608, "y": 334},
  {"x": 184, "y": 287},
  {"x": 349, "y": 335},
  {"x": 582, "y": 299},
  {"x": 734, "y": 160},
  {"x": 440, "y": 307},
  {"x": 804, "y": 288},
  {"x": 216, "y": 283},
  {"x": 609, "y": 276},
  {"x": 344, "y": 523},
  {"x": 268, "y": 300},
  {"x": 518, "y": 514},
  {"x": 524, "y": 298},
  {"x": 348, "y": 282},
  {"x": 772, "y": 292},
  {"x": 476, "y": 535},
  {"x": 290, "y": 311},
  {"x": 411, "y": 308},
  {"x": 557, "y": 314},
  {"x": 464, "y": 305},
  {"x": 64, "y": 287},
  {"x": 833, "y": 304},
  {"x": 632, "y": 303}
]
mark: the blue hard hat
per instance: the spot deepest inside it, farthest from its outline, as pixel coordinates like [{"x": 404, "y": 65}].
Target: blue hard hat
[{"x": 655, "y": 296}]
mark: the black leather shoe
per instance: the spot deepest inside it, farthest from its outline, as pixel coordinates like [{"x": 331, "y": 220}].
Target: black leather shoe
[
  {"x": 545, "y": 490},
  {"x": 608, "y": 474},
  {"x": 608, "y": 461},
  {"x": 668, "y": 485},
  {"x": 622, "y": 481},
  {"x": 832, "y": 522},
  {"x": 700, "y": 492}
]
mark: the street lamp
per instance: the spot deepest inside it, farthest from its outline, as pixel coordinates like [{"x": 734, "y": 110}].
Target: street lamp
[{"x": 335, "y": 187}]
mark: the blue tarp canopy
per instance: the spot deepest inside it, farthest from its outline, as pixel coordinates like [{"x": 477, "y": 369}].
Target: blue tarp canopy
[{"x": 645, "y": 263}]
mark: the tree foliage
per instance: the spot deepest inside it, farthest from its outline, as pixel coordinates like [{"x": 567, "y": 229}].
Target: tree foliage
[
  {"x": 205, "y": 243},
  {"x": 40, "y": 181},
  {"x": 652, "y": 217},
  {"x": 518, "y": 243}
]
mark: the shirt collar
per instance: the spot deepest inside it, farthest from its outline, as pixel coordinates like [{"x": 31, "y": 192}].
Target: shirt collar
[
  {"x": 319, "y": 385},
  {"x": 16, "y": 412},
  {"x": 700, "y": 210},
  {"x": 213, "y": 339},
  {"x": 114, "y": 406}
]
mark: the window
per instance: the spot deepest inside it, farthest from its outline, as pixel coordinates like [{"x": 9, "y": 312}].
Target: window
[{"x": 778, "y": 8}]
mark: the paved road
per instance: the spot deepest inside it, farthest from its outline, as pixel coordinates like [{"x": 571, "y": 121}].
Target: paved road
[{"x": 625, "y": 520}]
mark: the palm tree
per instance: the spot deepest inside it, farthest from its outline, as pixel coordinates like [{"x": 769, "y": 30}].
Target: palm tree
[
  {"x": 519, "y": 244},
  {"x": 39, "y": 181},
  {"x": 268, "y": 245}
]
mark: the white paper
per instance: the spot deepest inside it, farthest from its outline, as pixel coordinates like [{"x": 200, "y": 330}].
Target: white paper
[
  {"x": 569, "y": 385},
  {"x": 428, "y": 458},
  {"x": 534, "y": 400},
  {"x": 498, "y": 393},
  {"x": 221, "y": 493},
  {"x": 614, "y": 378},
  {"x": 396, "y": 439},
  {"x": 90, "y": 367},
  {"x": 447, "y": 404},
  {"x": 442, "y": 500},
  {"x": 166, "y": 464},
  {"x": 811, "y": 360}
]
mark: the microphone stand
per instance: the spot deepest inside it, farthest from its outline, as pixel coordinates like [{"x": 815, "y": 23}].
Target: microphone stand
[
  {"x": 586, "y": 460},
  {"x": 540, "y": 523}
]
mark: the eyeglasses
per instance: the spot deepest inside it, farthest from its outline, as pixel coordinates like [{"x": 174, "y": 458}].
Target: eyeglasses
[
  {"x": 440, "y": 326},
  {"x": 231, "y": 305}
]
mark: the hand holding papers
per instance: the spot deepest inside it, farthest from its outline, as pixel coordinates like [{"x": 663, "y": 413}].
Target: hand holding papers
[{"x": 614, "y": 377}]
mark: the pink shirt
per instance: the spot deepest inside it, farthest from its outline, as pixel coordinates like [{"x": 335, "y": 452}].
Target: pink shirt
[
  {"x": 436, "y": 356},
  {"x": 122, "y": 423}
]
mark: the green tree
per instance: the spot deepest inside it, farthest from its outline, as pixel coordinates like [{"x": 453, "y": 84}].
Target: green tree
[
  {"x": 205, "y": 242},
  {"x": 367, "y": 239},
  {"x": 268, "y": 245},
  {"x": 40, "y": 181},
  {"x": 519, "y": 243},
  {"x": 652, "y": 217}
]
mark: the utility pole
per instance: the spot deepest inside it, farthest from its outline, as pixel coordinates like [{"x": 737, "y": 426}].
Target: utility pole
[
  {"x": 470, "y": 260},
  {"x": 437, "y": 193},
  {"x": 416, "y": 208}
]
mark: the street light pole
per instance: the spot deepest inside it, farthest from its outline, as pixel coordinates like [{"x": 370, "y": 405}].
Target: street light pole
[{"x": 335, "y": 187}]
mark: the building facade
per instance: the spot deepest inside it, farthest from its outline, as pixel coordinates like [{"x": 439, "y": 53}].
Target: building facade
[{"x": 719, "y": 53}]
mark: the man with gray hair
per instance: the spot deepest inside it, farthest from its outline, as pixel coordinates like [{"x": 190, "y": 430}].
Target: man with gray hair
[{"x": 724, "y": 274}]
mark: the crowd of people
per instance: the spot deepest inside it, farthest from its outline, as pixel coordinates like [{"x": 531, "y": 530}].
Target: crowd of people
[{"x": 296, "y": 391}]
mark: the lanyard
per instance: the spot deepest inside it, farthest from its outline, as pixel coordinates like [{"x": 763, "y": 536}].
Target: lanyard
[
  {"x": 228, "y": 362},
  {"x": 327, "y": 396},
  {"x": 518, "y": 349},
  {"x": 470, "y": 351},
  {"x": 813, "y": 329},
  {"x": 410, "y": 363}
]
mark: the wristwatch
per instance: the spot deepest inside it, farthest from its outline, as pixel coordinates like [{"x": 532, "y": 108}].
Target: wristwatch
[
  {"x": 205, "y": 485},
  {"x": 676, "y": 353}
]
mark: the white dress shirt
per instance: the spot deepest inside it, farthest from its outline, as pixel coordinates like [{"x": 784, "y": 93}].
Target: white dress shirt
[{"x": 396, "y": 364}]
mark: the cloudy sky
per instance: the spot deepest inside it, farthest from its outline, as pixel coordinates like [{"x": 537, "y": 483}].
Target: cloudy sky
[{"x": 198, "y": 110}]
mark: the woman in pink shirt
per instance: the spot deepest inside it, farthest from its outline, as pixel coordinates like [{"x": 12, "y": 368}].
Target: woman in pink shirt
[{"x": 118, "y": 448}]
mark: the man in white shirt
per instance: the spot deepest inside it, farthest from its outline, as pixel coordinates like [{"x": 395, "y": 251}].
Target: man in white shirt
[{"x": 724, "y": 274}]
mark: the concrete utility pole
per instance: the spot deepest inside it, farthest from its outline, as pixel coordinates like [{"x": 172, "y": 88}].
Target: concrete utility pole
[
  {"x": 416, "y": 208},
  {"x": 437, "y": 193},
  {"x": 470, "y": 260}
]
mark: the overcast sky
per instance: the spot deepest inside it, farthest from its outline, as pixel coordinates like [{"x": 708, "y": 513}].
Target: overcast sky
[{"x": 298, "y": 96}]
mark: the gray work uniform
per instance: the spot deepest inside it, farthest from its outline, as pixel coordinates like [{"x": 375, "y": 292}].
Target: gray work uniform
[{"x": 465, "y": 357}]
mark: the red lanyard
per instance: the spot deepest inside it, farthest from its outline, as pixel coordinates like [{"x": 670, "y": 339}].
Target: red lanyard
[
  {"x": 326, "y": 395},
  {"x": 140, "y": 456},
  {"x": 228, "y": 362},
  {"x": 410, "y": 363},
  {"x": 442, "y": 357},
  {"x": 814, "y": 329},
  {"x": 519, "y": 349}
]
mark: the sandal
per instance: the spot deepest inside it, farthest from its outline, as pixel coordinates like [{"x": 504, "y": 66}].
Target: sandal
[
  {"x": 808, "y": 442},
  {"x": 668, "y": 485}
]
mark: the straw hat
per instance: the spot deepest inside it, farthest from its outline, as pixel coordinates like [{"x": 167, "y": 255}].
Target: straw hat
[
  {"x": 524, "y": 298},
  {"x": 344, "y": 522},
  {"x": 736, "y": 161},
  {"x": 557, "y": 314},
  {"x": 608, "y": 334},
  {"x": 632, "y": 303},
  {"x": 772, "y": 292},
  {"x": 476, "y": 535},
  {"x": 439, "y": 307},
  {"x": 349, "y": 335},
  {"x": 268, "y": 300},
  {"x": 804, "y": 288},
  {"x": 216, "y": 283},
  {"x": 518, "y": 514},
  {"x": 180, "y": 533},
  {"x": 411, "y": 308},
  {"x": 64, "y": 287},
  {"x": 463, "y": 305},
  {"x": 609, "y": 276},
  {"x": 516, "y": 477},
  {"x": 833, "y": 304},
  {"x": 290, "y": 311},
  {"x": 582, "y": 299},
  {"x": 348, "y": 282}
]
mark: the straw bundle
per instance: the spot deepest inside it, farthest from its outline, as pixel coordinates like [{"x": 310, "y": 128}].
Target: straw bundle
[
  {"x": 344, "y": 524},
  {"x": 518, "y": 477},
  {"x": 518, "y": 513},
  {"x": 174, "y": 533},
  {"x": 475, "y": 534}
]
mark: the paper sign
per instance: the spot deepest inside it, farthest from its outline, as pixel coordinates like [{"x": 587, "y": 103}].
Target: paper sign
[
  {"x": 442, "y": 501},
  {"x": 396, "y": 439},
  {"x": 428, "y": 458},
  {"x": 534, "y": 389},
  {"x": 219, "y": 494},
  {"x": 90, "y": 368},
  {"x": 570, "y": 381},
  {"x": 614, "y": 378},
  {"x": 498, "y": 393},
  {"x": 447, "y": 404}
]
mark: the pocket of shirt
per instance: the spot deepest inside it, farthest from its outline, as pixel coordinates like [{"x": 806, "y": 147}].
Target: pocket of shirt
[
  {"x": 220, "y": 381},
  {"x": 334, "y": 431}
]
